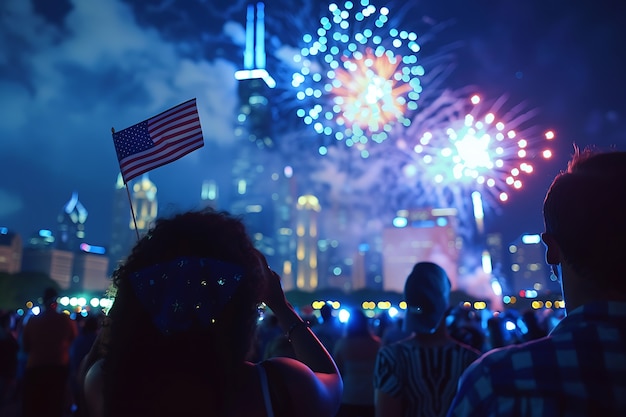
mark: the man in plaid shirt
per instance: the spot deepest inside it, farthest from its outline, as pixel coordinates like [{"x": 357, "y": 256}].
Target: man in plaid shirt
[{"x": 580, "y": 368}]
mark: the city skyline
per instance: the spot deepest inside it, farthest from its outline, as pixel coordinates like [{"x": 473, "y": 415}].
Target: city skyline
[{"x": 423, "y": 232}]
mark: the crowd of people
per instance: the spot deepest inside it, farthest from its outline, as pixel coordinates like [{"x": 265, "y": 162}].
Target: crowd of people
[
  {"x": 201, "y": 326},
  {"x": 354, "y": 345}
]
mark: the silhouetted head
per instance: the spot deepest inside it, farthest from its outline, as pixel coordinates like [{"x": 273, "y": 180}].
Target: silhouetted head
[
  {"x": 358, "y": 324},
  {"x": 50, "y": 296},
  {"x": 427, "y": 294},
  {"x": 326, "y": 311},
  {"x": 585, "y": 224}
]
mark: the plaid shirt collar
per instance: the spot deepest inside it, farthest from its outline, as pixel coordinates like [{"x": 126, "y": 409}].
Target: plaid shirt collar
[{"x": 613, "y": 312}]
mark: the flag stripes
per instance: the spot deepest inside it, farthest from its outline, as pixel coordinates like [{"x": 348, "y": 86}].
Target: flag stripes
[{"x": 159, "y": 140}]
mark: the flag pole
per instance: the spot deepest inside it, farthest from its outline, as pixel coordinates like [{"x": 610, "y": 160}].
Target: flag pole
[
  {"x": 130, "y": 202},
  {"x": 132, "y": 211}
]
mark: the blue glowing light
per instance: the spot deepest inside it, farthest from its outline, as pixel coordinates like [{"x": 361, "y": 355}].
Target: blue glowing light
[
  {"x": 400, "y": 222},
  {"x": 344, "y": 315},
  {"x": 531, "y": 239},
  {"x": 85, "y": 247}
]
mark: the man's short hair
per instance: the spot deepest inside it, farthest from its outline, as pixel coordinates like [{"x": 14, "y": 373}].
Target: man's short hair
[{"x": 585, "y": 211}]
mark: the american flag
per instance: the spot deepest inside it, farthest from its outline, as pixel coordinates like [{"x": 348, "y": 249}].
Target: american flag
[{"x": 159, "y": 140}]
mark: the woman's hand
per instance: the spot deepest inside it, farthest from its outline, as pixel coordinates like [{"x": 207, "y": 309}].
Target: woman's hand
[
  {"x": 274, "y": 295},
  {"x": 324, "y": 381}
]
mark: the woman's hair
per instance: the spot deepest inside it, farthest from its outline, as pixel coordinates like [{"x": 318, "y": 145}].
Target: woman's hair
[{"x": 151, "y": 372}]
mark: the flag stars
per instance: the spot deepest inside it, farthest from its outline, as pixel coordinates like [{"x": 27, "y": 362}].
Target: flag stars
[{"x": 132, "y": 140}]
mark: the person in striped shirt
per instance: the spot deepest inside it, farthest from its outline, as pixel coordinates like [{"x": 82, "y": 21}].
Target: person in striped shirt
[
  {"x": 418, "y": 376},
  {"x": 580, "y": 368}
]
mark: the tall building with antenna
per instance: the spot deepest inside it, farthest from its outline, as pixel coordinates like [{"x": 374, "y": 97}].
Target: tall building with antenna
[
  {"x": 255, "y": 116},
  {"x": 209, "y": 194},
  {"x": 261, "y": 188}
]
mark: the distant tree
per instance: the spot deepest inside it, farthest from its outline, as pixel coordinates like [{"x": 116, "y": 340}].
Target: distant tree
[
  {"x": 299, "y": 298},
  {"x": 8, "y": 292},
  {"x": 17, "y": 289}
]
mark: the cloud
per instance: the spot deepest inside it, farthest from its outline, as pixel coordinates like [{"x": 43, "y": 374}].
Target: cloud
[
  {"x": 9, "y": 203},
  {"x": 215, "y": 87},
  {"x": 285, "y": 54},
  {"x": 13, "y": 95},
  {"x": 66, "y": 84},
  {"x": 23, "y": 32},
  {"x": 101, "y": 69},
  {"x": 235, "y": 32}
]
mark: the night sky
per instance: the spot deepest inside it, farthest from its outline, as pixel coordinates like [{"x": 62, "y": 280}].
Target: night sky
[{"x": 72, "y": 69}]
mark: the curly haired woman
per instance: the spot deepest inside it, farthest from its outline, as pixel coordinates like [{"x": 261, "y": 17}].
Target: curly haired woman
[{"x": 183, "y": 323}]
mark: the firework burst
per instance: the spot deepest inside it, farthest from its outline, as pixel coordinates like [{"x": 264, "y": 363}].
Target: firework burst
[
  {"x": 358, "y": 75},
  {"x": 477, "y": 150}
]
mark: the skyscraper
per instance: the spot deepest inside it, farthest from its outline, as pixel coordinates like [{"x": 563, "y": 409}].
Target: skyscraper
[
  {"x": 10, "y": 251},
  {"x": 308, "y": 209},
  {"x": 56, "y": 263},
  {"x": 90, "y": 272},
  {"x": 418, "y": 236},
  {"x": 501, "y": 269},
  {"x": 71, "y": 224},
  {"x": 122, "y": 236},
  {"x": 528, "y": 265},
  {"x": 145, "y": 205},
  {"x": 260, "y": 191},
  {"x": 143, "y": 197},
  {"x": 255, "y": 119}
]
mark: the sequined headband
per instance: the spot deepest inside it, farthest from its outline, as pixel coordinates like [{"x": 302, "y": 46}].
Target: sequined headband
[{"x": 185, "y": 291}]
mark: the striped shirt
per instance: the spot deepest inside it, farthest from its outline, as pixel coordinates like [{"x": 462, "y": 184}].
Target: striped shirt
[
  {"x": 579, "y": 370},
  {"x": 425, "y": 378}
]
